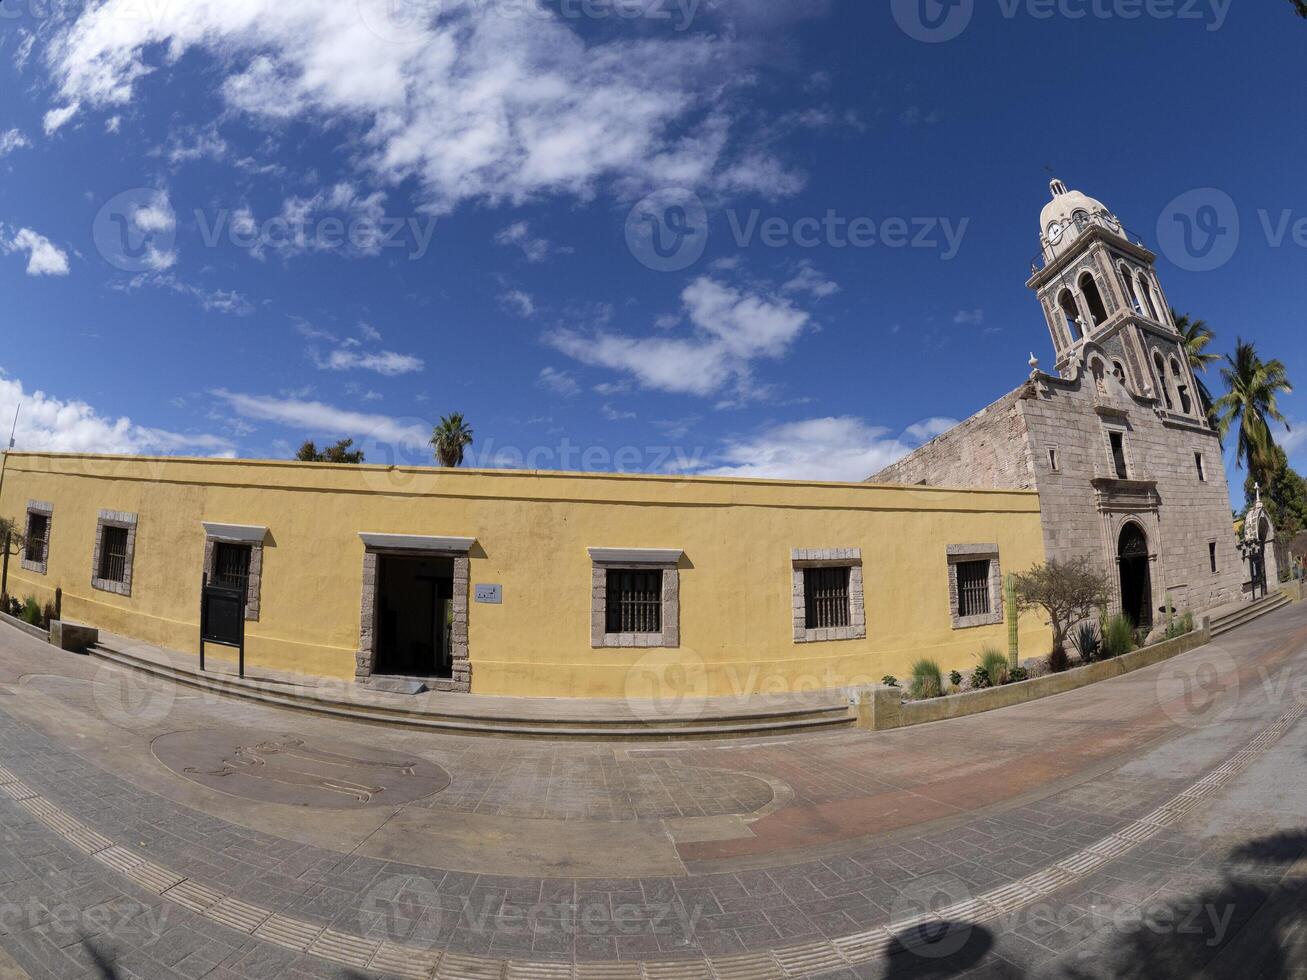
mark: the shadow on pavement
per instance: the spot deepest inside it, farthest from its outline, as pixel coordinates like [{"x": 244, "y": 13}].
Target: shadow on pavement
[
  {"x": 1238, "y": 928},
  {"x": 938, "y": 949}
]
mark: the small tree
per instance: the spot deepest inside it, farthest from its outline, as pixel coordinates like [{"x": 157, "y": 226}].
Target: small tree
[
  {"x": 1068, "y": 591},
  {"x": 339, "y": 453},
  {"x": 12, "y": 539}
]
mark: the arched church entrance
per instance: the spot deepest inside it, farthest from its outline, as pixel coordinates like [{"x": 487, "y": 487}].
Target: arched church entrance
[{"x": 1136, "y": 576}]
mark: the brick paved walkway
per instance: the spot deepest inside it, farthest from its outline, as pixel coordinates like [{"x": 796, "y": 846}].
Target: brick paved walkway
[{"x": 757, "y": 847}]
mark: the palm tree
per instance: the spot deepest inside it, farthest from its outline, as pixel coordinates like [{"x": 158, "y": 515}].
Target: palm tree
[
  {"x": 1195, "y": 336},
  {"x": 1251, "y": 404},
  {"x": 450, "y": 438}
]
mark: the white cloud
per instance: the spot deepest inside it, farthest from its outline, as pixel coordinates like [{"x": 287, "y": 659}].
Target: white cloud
[
  {"x": 227, "y": 301},
  {"x": 615, "y": 414},
  {"x": 558, "y": 382},
  {"x": 24, "y": 50},
  {"x": 194, "y": 143},
  {"x": 368, "y": 332},
  {"x": 386, "y": 363},
  {"x": 809, "y": 280},
  {"x": 50, "y": 424},
  {"x": 842, "y": 449},
  {"x": 11, "y": 140},
  {"x": 732, "y": 329},
  {"x": 535, "y": 249},
  {"x": 973, "y": 318},
  {"x": 44, "y": 258},
  {"x": 55, "y": 119},
  {"x": 518, "y": 301},
  {"x": 928, "y": 429},
  {"x": 113, "y": 124},
  {"x": 467, "y": 102},
  {"x": 319, "y": 419}
]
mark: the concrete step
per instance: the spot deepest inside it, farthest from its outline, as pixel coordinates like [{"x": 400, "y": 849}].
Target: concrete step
[
  {"x": 712, "y": 723},
  {"x": 1250, "y": 613}
]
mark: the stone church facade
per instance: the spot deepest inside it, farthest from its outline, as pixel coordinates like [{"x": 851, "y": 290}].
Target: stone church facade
[{"x": 1128, "y": 470}]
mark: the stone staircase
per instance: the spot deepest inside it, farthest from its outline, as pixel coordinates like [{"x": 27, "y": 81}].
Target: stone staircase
[
  {"x": 495, "y": 716},
  {"x": 1231, "y": 618}
]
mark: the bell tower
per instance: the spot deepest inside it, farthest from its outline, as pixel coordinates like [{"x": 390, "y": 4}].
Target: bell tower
[{"x": 1105, "y": 308}]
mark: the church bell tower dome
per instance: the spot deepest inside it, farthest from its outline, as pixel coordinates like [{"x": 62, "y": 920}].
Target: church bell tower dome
[{"x": 1067, "y": 216}]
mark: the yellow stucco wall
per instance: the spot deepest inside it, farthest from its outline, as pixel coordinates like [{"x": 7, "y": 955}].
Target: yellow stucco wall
[{"x": 532, "y": 532}]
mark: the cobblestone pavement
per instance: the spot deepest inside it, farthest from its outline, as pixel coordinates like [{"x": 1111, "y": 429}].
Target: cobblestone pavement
[{"x": 1153, "y": 825}]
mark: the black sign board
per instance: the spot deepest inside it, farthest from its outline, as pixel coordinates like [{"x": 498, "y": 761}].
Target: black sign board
[{"x": 222, "y": 619}]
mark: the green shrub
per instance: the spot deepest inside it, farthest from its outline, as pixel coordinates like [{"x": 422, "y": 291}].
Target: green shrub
[
  {"x": 927, "y": 682},
  {"x": 1085, "y": 638},
  {"x": 31, "y": 613},
  {"x": 996, "y": 666},
  {"x": 1118, "y": 637},
  {"x": 1059, "y": 662},
  {"x": 955, "y": 677},
  {"x": 980, "y": 679},
  {"x": 1180, "y": 627},
  {"x": 889, "y": 680},
  {"x": 1018, "y": 674}
]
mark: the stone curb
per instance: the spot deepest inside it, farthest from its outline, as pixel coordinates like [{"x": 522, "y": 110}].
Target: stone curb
[{"x": 882, "y": 709}]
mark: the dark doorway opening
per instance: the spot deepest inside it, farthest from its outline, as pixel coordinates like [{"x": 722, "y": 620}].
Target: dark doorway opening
[
  {"x": 1136, "y": 577},
  {"x": 415, "y": 599}
]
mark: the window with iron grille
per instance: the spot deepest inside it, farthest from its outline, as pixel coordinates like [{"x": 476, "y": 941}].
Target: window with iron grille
[
  {"x": 38, "y": 538},
  {"x": 231, "y": 566},
  {"x": 826, "y": 598},
  {"x": 973, "y": 588},
  {"x": 635, "y": 601},
  {"x": 113, "y": 553}
]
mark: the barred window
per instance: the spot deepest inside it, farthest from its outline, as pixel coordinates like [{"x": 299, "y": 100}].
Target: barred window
[
  {"x": 973, "y": 588},
  {"x": 635, "y": 601},
  {"x": 113, "y": 554},
  {"x": 826, "y": 597},
  {"x": 38, "y": 537},
  {"x": 231, "y": 566}
]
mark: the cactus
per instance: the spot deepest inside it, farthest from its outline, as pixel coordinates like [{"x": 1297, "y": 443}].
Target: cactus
[{"x": 1010, "y": 603}]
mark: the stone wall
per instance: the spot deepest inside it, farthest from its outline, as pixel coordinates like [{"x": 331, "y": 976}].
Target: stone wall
[{"x": 988, "y": 450}]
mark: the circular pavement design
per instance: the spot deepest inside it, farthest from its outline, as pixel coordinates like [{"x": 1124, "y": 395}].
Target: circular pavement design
[{"x": 321, "y": 773}]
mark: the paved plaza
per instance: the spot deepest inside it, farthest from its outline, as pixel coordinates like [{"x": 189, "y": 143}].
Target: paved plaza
[{"x": 1153, "y": 825}]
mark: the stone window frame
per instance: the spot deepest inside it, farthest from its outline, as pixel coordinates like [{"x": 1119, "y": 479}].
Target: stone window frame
[
  {"x": 459, "y": 549},
  {"x": 1055, "y": 459},
  {"x": 802, "y": 559},
  {"x": 1200, "y": 463},
  {"x": 252, "y": 536},
  {"x": 128, "y": 522},
  {"x": 1214, "y": 556},
  {"x": 1124, "y": 432},
  {"x": 44, "y": 509},
  {"x": 961, "y": 554},
  {"x": 605, "y": 560}
]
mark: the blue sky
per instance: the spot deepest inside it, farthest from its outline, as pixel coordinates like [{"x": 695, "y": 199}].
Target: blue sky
[{"x": 226, "y": 227}]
